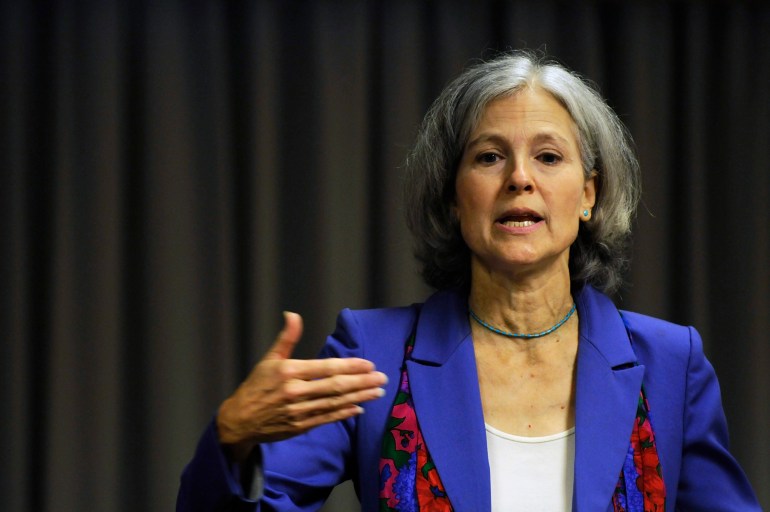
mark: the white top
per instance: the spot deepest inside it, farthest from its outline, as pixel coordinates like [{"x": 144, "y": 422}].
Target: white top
[{"x": 532, "y": 474}]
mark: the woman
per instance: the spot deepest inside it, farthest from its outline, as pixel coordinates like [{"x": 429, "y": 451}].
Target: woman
[{"x": 518, "y": 385}]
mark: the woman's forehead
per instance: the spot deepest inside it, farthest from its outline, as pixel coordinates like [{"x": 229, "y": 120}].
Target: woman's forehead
[{"x": 534, "y": 111}]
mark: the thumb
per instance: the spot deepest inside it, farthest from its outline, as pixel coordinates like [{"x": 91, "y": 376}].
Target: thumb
[{"x": 288, "y": 337}]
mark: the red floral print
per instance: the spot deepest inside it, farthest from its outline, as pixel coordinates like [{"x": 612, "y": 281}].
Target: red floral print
[{"x": 641, "y": 487}]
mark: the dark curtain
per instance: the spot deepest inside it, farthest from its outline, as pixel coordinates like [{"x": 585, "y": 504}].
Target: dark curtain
[{"x": 176, "y": 173}]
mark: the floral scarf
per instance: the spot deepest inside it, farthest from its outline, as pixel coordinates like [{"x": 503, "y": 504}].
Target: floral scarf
[
  {"x": 409, "y": 480},
  {"x": 640, "y": 487}
]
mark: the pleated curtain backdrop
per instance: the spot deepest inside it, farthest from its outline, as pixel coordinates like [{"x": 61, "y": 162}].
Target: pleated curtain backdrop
[{"x": 174, "y": 174}]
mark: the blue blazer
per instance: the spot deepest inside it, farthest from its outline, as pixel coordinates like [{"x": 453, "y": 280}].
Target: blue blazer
[{"x": 616, "y": 353}]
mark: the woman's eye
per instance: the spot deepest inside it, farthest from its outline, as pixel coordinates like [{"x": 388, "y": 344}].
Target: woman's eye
[
  {"x": 489, "y": 158},
  {"x": 549, "y": 158}
]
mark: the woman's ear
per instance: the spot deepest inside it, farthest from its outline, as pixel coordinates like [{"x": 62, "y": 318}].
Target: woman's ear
[{"x": 589, "y": 195}]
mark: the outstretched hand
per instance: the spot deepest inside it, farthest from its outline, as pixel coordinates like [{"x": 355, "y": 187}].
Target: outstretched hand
[{"x": 284, "y": 397}]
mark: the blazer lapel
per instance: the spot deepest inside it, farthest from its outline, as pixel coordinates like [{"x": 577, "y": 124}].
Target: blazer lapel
[
  {"x": 608, "y": 385},
  {"x": 445, "y": 390}
]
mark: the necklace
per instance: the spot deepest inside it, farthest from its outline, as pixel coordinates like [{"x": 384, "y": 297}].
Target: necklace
[{"x": 523, "y": 335}]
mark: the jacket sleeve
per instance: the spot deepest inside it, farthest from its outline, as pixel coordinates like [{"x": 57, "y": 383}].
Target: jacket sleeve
[
  {"x": 295, "y": 475},
  {"x": 211, "y": 482},
  {"x": 710, "y": 478}
]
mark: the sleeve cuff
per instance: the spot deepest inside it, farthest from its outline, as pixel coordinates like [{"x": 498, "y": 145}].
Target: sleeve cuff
[{"x": 212, "y": 481}]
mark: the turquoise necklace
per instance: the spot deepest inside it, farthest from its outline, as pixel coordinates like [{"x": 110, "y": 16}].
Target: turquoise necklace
[{"x": 523, "y": 335}]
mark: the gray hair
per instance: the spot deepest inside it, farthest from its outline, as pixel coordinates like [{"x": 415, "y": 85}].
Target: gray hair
[{"x": 598, "y": 255}]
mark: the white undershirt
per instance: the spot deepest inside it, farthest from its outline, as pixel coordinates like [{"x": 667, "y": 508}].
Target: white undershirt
[{"x": 532, "y": 474}]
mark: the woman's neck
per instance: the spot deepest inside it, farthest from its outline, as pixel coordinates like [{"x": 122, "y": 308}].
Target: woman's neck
[{"x": 520, "y": 303}]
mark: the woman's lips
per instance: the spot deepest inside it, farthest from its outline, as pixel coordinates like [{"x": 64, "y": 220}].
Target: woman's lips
[{"x": 519, "y": 224}]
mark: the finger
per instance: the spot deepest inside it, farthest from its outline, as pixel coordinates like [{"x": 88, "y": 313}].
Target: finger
[
  {"x": 321, "y": 406},
  {"x": 336, "y": 386},
  {"x": 288, "y": 337},
  {"x": 305, "y": 424},
  {"x": 322, "y": 368}
]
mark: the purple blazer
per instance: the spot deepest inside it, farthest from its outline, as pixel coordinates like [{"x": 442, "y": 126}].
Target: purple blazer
[{"x": 616, "y": 353}]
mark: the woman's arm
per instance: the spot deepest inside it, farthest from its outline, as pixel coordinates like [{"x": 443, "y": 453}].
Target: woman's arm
[
  {"x": 710, "y": 478},
  {"x": 281, "y": 399}
]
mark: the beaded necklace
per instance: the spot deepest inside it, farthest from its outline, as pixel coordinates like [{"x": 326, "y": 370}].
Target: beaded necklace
[{"x": 523, "y": 335}]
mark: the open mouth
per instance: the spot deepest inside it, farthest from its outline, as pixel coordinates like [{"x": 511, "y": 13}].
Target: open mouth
[{"x": 519, "y": 221}]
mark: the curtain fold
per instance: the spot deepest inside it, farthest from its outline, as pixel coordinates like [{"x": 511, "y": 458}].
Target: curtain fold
[{"x": 174, "y": 174}]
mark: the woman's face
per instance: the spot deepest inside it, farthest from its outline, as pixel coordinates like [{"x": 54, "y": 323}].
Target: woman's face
[{"x": 520, "y": 188}]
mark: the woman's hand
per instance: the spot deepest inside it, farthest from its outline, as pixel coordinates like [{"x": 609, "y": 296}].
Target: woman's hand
[{"x": 284, "y": 397}]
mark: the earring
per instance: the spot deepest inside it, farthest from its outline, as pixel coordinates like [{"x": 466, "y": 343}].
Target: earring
[{"x": 585, "y": 213}]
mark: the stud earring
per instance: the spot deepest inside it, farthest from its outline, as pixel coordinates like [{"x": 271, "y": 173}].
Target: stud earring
[{"x": 585, "y": 213}]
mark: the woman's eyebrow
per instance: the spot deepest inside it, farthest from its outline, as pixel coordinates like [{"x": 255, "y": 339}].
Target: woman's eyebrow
[
  {"x": 486, "y": 137},
  {"x": 539, "y": 138},
  {"x": 550, "y": 137}
]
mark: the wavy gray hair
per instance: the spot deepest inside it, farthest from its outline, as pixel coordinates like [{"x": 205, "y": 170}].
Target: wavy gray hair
[{"x": 598, "y": 255}]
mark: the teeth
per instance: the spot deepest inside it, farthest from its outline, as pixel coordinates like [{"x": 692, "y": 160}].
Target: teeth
[{"x": 518, "y": 223}]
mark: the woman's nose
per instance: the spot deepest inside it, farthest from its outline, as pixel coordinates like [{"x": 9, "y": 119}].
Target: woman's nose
[{"x": 520, "y": 180}]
